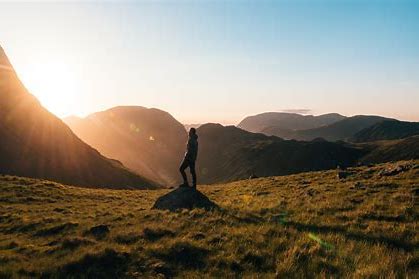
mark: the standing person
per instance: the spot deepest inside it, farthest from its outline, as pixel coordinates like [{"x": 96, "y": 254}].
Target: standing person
[{"x": 190, "y": 159}]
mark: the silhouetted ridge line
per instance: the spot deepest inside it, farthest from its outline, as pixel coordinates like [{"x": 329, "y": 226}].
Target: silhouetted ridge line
[
  {"x": 149, "y": 141},
  {"x": 35, "y": 143}
]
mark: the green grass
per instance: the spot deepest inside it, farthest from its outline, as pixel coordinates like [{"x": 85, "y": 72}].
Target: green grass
[{"x": 306, "y": 225}]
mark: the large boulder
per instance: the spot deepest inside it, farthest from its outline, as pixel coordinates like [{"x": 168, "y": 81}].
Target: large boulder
[{"x": 184, "y": 198}]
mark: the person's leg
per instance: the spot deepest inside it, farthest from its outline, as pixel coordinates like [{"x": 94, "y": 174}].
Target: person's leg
[
  {"x": 182, "y": 169},
  {"x": 193, "y": 173}
]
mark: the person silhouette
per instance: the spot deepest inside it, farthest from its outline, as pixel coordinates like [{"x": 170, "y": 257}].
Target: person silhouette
[{"x": 190, "y": 159}]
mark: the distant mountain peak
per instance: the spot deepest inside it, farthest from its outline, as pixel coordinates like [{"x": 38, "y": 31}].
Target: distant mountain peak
[
  {"x": 147, "y": 140},
  {"x": 287, "y": 121}
]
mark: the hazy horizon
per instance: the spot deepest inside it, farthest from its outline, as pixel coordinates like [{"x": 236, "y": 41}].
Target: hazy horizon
[
  {"x": 295, "y": 111},
  {"x": 218, "y": 61}
]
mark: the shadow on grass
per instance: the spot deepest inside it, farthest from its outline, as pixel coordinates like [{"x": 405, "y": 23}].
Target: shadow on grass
[
  {"x": 108, "y": 264},
  {"x": 397, "y": 219},
  {"x": 127, "y": 239},
  {"x": 391, "y": 242},
  {"x": 259, "y": 263},
  {"x": 23, "y": 228},
  {"x": 183, "y": 255},
  {"x": 283, "y": 218},
  {"x": 56, "y": 229},
  {"x": 74, "y": 243},
  {"x": 156, "y": 234}
]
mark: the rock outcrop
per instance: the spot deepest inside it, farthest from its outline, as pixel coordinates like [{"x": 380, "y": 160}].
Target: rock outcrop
[{"x": 184, "y": 198}]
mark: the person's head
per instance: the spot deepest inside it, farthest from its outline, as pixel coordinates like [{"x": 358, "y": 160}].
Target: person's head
[{"x": 192, "y": 132}]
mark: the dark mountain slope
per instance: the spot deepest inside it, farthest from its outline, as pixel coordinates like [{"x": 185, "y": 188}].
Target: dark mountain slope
[
  {"x": 279, "y": 132},
  {"x": 341, "y": 130},
  {"x": 390, "y": 151},
  {"x": 149, "y": 141},
  {"x": 35, "y": 143},
  {"x": 387, "y": 130},
  {"x": 287, "y": 121},
  {"x": 229, "y": 153}
]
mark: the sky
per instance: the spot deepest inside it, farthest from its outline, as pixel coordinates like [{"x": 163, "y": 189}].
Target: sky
[{"x": 218, "y": 61}]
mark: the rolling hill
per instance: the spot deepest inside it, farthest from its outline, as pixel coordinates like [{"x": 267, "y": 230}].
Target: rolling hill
[
  {"x": 149, "y": 141},
  {"x": 298, "y": 226},
  {"x": 392, "y": 150},
  {"x": 35, "y": 143},
  {"x": 229, "y": 153},
  {"x": 387, "y": 130},
  {"x": 287, "y": 121},
  {"x": 342, "y": 130}
]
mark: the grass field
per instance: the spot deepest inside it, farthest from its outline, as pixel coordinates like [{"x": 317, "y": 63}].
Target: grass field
[{"x": 306, "y": 225}]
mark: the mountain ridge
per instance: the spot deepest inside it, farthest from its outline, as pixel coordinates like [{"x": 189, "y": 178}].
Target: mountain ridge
[
  {"x": 147, "y": 140},
  {"x": 341, "y": 130},
  {"x": 387, "y": 130},
  {"x": 36, "y": 143},
  {"x": 392, "y": 150},
  {"x": 288, "y": 121},
  {"x": 230, "y": 153}
]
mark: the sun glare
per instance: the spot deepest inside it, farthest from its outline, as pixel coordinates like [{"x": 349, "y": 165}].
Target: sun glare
[{"x": 54, "y": 84}]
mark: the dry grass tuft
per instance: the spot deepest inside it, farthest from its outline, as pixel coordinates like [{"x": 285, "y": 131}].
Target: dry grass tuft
[{"x": 311, "y": 224}]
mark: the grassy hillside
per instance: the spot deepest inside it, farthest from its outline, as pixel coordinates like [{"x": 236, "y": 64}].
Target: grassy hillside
[
  {"x": 391, "y": 150},
  {"x": 229, "y": 153},
  {"x": 387, "y": 130},
  {"x": 291, "y": 226}
]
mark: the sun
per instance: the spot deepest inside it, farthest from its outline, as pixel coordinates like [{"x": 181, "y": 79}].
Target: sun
[{"x": 55, "y": 84}]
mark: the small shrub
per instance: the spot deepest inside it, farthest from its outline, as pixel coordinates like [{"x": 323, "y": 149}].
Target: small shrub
[
  {"x": 56, "y": 229},
  {"x": 184, "y": 254},
  {"x": 127, "y": 239},
  {"x": 107, "y": 264},
  {"x": 156, "y": 234},
  {"x": 99, "y": 232}
]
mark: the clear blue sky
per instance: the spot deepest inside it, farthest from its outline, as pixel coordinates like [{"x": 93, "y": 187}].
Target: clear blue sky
[{"x": 218, "y": 61}]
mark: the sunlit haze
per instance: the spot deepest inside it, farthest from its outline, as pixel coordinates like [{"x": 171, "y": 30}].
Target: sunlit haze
[{"x": 214, "y": 61}]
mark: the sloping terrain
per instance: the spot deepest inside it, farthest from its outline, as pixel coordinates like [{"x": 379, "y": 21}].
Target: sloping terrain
[
  {"x": 298, "y": 226},
  {"x": 35, "y": 143},
  {"x": 229, "y": 153},
  {"x": 279, "y": 132},
  {"x": 287, "y": 121},
  {"x": 149, "y": 141},
  {"x": 341, "y": 130},
  {"x": 387, "y": 130},
  {"x": 395, "y": 150}
]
